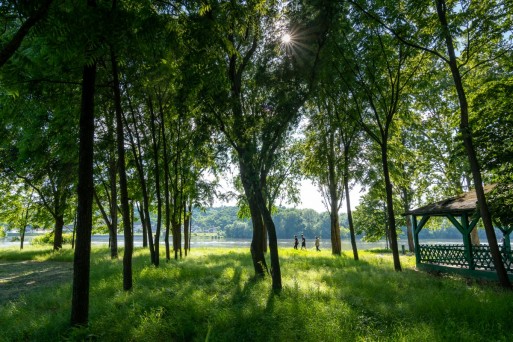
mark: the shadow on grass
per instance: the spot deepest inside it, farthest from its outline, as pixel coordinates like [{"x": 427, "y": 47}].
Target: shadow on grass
[{"x": 213, "y": 293}]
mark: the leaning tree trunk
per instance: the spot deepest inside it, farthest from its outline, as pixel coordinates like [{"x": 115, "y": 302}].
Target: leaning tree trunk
[
  {"x": 81, "y": 261},
  {"x": 469, "y": 148},
  {"x": 390, "y": 206}
]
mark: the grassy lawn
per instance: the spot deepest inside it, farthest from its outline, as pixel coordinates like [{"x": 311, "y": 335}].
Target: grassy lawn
[{"x": 211, "y": 295}]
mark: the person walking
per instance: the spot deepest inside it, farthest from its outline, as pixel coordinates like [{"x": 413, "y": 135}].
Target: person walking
[
  {"x": 317, "y": 243},
  {"x": 303, "y": 242},
  {"x": 296, "y": 242}
]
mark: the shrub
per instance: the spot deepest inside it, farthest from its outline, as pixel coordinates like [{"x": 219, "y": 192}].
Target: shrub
[{"x": 47, "y": 239}]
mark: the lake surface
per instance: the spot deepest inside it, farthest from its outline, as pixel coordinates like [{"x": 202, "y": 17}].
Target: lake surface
[{"x": 207, "y": 242}]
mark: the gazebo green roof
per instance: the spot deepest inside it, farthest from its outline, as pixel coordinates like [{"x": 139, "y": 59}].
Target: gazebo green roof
[{"x": 457, "y": 205}]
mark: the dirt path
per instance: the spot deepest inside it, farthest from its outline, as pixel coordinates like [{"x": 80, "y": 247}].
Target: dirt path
[{"x": 19, "y": 277}]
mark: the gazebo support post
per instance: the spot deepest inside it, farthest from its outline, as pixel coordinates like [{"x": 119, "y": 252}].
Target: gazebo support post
[
  {"x": 416, "y": 240},
  {"x": 417, "y": 227},
  {"x": 463, "y": 228}
]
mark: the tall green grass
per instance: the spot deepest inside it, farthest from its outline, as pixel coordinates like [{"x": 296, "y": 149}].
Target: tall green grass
[{"x": 212, "y": 295}]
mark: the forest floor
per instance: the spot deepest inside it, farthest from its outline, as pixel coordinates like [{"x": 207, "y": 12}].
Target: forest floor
[
  {"x": 20, "y": 277},
  {"x": 212, "y": 295}
]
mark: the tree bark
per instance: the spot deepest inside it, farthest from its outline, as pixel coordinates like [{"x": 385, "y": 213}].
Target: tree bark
[
  {"x": 154, "y": 136},
  {"x": 123, "y": 184},
  {"x": 469, "y": 148},
  {"x": 81, "y": 262},
  {"x": 113, "y": 228},
  {"x": 390, "y": 206},
  {"x": 250, "y": 184},
  {"x": 167, "y": 204},
  {"x": 336, "y": 246},
  {"x": 57, "y": 237},
  {"x": 273, "y": 243},
  {"x": 348, "y": 206}
]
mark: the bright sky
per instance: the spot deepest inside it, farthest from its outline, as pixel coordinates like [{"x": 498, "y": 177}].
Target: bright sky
[{"x": 310, "y": 197}]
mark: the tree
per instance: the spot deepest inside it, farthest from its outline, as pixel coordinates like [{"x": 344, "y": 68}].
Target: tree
[
  {"x": 34, "y": 15},
  {"x": 81, "y": 261},
  {"x": 480, "y": 28},
  {"x": 257, "y": 100}
]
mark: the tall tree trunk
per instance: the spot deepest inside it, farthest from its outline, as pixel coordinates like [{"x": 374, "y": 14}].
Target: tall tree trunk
[
  {"x": 167, "y": 204},
  {"x": 390, "y": 206},
  {"x": 123, "y": 184},
  {"x": 348, "y": 206},
  {"x": 113, "y": 228},
  {"x": 185, "y": 228},
  {"x": 154, "y": 136},
  {"x": 81, "y": 261},
  {"x": 469, "y": 148},
  {"x": 336, "y": 245},
  {"x": 136, "y": 151}
]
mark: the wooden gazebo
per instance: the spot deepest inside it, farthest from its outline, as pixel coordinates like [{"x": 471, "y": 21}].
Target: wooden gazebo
[{"x": 465, "y": 259}]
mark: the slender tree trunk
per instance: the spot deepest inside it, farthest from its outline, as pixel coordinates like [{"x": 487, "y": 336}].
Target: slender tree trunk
[
  {"x": 113, "y": 228},
  {"x": 123, "y": 184},
  {"x": 190, "y": 226},
  {"x": 349, "y": 212},
  {"x": 390, "y": 206},
  {"x": 143, "y": 224},
  {"x": 185, "y": 228},
  {"x": 167, "y": 204},
  {"x": 154, "y": 136},
  {"x": 81, "y": 261},
  {"x": 74, "y": 231},
  {"x": 136, "y": 151},
  {"x": 336, "y": 245},
  {"x": 24, "y": 226},
  {"x": 469, "y": 148}
]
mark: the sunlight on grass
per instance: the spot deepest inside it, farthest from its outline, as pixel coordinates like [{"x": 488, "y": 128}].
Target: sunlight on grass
[{"x": 212, "y": 292}]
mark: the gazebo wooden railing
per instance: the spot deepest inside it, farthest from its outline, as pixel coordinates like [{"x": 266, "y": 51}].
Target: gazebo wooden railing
[
  {"x": 465, "y": 258},
  {"x": 456, "y": 256}
]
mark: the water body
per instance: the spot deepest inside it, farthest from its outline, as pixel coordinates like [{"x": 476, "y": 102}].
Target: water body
[{"x": 99, "y": 240}]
